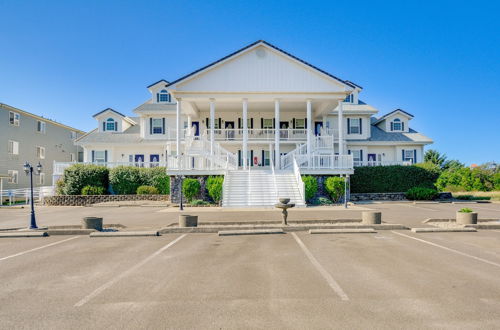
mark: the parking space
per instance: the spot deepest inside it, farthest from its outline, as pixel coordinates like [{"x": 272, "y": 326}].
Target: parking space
[{"x": 387, "y": 279}]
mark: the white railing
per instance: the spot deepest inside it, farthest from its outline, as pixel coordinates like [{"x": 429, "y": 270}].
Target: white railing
[
  {"x": 324, "y": 162},
  {"x": 59, "y": 167},
  {"x": 276, "y": 192},
  {"x": 329, "y": 132},
  {"x": 24, "y": 194},
  {"x": 298, "y": 177},
  {"x": 260, "y": 134},
  {"x": 287, "y": 160}
]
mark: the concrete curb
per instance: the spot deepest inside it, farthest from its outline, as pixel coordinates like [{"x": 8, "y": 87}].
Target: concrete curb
[
  {"x": 52, "y": 232},
  {"x": 250, "y": 232},
  {"x": 216, "y": 229},
  {"x": 124, "y": 234},
  {"x": 454, "y": 220},
  {"x": 443, "y": 230},
  {"x": 343, "y": 231},
  {"x": 24, "y": 234}
]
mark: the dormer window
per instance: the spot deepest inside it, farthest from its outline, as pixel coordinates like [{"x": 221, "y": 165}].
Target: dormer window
[
  {"x": 397, "y": 125},
  {"x": 349, "y": 98},
  {"x": 110, "y": 125},
  {"x": 163, "y": 96}
]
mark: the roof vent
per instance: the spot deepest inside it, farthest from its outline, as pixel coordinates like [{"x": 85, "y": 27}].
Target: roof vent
[{"x": 261, "y": 52}]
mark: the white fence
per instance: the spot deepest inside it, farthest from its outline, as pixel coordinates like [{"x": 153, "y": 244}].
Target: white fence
[{"x": 24, "y": 194}]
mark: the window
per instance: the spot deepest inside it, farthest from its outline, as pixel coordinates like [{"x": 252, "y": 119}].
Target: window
[
  {"x": 354, "y": 126},
  {"x": 73, "y": 135},
  {"x": 163, "y": 96},
  {"x": 41, "y": 178},
  {"x": 13, "y": 147},
  {"x": 356, "y": 155},
  {"x": 300, "y": 123},
  {"x": 40, "y": 152},
  {"x": 267, "y": 124},
  {"x": 349, "y": 98},
  {"x": 397, "y": 125},
  {"x": 13, "y": 175},
  {"x": 110, "y": 125},
  {"x": 100, "y": 156},
  {"x": 157, "y": 126},
  {"x": 409, "y": 156},
  {"x": 72, "y": 157},
  {"x": 40, "y": 126},
  {"x": 14, "y": 118}
]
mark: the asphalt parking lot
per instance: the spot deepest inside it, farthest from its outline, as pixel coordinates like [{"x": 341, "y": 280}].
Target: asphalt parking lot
[{"x": 391, "y": 279}]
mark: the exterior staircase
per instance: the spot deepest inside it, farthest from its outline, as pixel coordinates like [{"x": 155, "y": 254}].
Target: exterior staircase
[{"x": 260, "y": 188}]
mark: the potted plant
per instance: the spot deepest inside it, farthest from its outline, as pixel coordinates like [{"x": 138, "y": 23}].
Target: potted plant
[{"x": 466, "y": 216}]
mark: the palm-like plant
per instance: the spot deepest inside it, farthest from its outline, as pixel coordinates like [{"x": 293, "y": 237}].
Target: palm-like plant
[{"x": 435, "y": 157}]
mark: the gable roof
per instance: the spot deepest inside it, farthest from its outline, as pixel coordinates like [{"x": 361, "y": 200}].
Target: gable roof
[
  {"x": 108, "y": 109},
  {"x": 391, "y": 113},
  {"x": 263, "y": 42},
  {"x": 159, "y": 81}
]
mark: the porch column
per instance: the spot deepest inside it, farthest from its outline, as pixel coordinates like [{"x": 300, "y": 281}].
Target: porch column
[
  {"x": 178, "y": 135},
  {"x": 341, "y": 128},
  {"x": 277, "y": 157},
  {"x": 212, "y": 126},
  {"x": 244, "y": 155},
  {"x": 190, "y": 123},
  {"x": 309, "y": 135}
]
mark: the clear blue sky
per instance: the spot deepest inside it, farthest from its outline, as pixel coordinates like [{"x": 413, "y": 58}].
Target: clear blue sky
[{"x": 439, "y": 60}]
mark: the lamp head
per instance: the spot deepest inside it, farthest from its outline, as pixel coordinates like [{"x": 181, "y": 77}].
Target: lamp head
[
  {"x": 39, "y": 168},
  {"x": 27, "y": 167}
]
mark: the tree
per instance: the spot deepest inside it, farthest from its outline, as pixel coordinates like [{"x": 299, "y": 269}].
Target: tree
[
  {"x": 435, "y": 157},
  {"x": 452, "y": 164}
]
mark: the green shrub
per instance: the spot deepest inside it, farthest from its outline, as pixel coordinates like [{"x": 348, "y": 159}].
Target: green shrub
[
  {"x": 321, "y": 201},
  {"x": 335, "y": 186},
  {"x": 473, "y": 198},
  {"x": 380, "y": 179},
  {"x": 78, "y": 176},
  {"x": 147, "y": 190},
  {"x": 92, "y": 190},
  {"x": 198, "y": 202},
  {"x": 126, "y": 179},
  {"x": 476, "y": 179},
  {"x": 419, "y": 193},
  {"x": 310, "y": 187},
  {"x": 466, "y": 210},
  {"x": 191, "y": 188},
  {"x": 214, "y": 188},
  {"x": 60, "y": 187}
]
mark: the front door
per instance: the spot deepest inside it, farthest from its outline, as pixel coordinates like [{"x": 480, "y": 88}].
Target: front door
[
  {"x": 318, "y": 125},
  {"x": 372, "y": 159},
  {"x": 229, "y": 126},
  {"x": 196, "y": 125},
  {"x": 283, "y": 129}
]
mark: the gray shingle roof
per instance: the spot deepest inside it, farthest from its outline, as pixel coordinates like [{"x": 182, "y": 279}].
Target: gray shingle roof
[{"x": 380, "y": 135}]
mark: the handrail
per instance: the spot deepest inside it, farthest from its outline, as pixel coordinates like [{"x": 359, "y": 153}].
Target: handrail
[
  {"x": 276, "y": 192},
  {"x": 298, "y": 177}
]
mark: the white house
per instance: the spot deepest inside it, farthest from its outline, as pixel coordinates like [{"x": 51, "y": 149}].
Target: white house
[{"x": 261, "y": 117}]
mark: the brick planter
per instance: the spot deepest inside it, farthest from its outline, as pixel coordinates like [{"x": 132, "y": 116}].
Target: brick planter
[{"x": 81, "y": 200}]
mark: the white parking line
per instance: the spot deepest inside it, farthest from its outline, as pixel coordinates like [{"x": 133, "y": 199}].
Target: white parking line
[
  {"x": 38, "y": 248},
  {"x": 449, "y": 249},
  {"x": 105, "y": 286},
  {"x": 331, "y": 281},
  {"x": 420, "y": 207}
]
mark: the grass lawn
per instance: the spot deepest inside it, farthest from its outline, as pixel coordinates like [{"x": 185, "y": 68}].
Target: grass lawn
[{"x": 495, "y": 195}]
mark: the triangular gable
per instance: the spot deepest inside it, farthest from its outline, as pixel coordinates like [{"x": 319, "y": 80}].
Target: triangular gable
[
  {"x": 393, "y": 113},
  {"x": 261, "y": 67}
]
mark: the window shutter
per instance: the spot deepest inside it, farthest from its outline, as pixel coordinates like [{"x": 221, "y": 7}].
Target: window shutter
[
  {"x": 414, "y": 156},
  {"x": 361, "y": 155},
  {"x": 361, "y": 127},
  {"x": 293, "y": 123},
  {"x": 208, "y": 123},
  {"x": 274, "y": 122},
  {"x": 392, "y": 126},
  {"x": 251, "y": 157},
  {"x": 93, "y": 156},
  {"x": 305, "y": 123},
  {"x": 348, "y": 126},
  {"x": 402, "y": 126},
  {"x": 239, "y": 157},
  {"x": 262, "y": 162},
  {"x": 239, "y": 123},
  {"x": 116, "y": 126},
  {"x": 251, "y": 122},
  {"x": 103, "y": 126},
  {"x": 348, "y": 152},
  {"x": 220, "y": 123},
  {"x": 157, "y": 97},
  {"x": 163, "y": 126},
  {"x": 261, "y": 122},
  {"x": 105, "y": 156},
  {"x": 403, "y": 152},
  {"x": 150, "y": 126}
]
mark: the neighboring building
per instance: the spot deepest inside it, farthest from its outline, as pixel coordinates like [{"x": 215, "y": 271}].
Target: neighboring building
[
  {"x": 241, "y": 112},
  {"x": 30, "y": 138}
]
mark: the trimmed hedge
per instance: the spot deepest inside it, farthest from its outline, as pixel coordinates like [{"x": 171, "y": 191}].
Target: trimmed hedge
[
  {"x": 421, "y": 194},
  {"x": 147, "y": 190},
  {"x": 214, "y": 187},
  {"x": 191, "y": 188},
  {"x": 335, "y": 186},
  {"x": 310, "y": 187},
  {"x": 397, "y": 178},
  {"x": 92, "y": 190},
  {"x": 77, "y": 176},
  {"x": 126, "y": 179}
]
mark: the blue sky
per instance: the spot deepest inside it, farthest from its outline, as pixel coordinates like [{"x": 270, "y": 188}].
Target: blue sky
[{"x": 439, "y": 60}]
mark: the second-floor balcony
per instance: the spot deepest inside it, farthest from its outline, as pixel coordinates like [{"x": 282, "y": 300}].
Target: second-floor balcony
[{"x": 259, "y": 134}]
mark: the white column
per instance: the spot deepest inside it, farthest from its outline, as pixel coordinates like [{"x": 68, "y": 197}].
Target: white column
[
  {"x": 341, "y": 128},
  {"x": 277, "y": 159},
  {"x": 190, "y": 122},
  {"x": 212, "y": 126},
  {"x": 178, "y": 135},
  {"x": 309, "y": 135},
  {"x": 244, "y": 152}
]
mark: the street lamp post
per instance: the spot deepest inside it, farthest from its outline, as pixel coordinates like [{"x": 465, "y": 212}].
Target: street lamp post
[
  {"x": 181, "y": 177},
  {"x": 28, "y": 169}
]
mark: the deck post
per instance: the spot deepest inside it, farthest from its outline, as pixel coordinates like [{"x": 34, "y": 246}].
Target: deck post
[
  {"x": 341, "y": 129},
  {"x": 245, "y": 134},
  {"x": 178, "y": 136},
  {"x": 277, "y": 159},
  {"x": 309, "y": 137}
]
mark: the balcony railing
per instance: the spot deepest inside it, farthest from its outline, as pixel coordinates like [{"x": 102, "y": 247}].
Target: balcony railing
[
  {"x": 325, "y": 162},
  {"x": 258, "y": 134}
]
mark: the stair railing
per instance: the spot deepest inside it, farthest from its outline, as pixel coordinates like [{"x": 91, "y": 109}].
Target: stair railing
[
  {"x": 298, "y": 177},
  {"x": 276, "y": 192}
]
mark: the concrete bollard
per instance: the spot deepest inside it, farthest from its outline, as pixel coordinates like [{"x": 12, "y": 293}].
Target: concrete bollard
[
  {"x": 92, "y": 223},
  {"x": 464, "y": 218},
  {"x": 371, "y": 218},
  {"x": 188, "y": 220}
]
